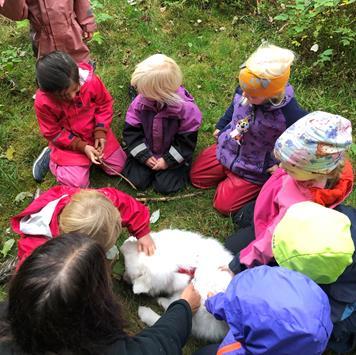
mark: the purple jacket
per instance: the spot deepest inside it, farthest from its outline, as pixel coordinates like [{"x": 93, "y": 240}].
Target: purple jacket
[
  {"x": 252, "y": 155},
  {"x": 273, "y": 310},
  {"x": 170, "y": 132}
]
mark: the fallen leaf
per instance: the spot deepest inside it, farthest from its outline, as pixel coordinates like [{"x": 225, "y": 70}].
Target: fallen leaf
[
  {"x": 9, "y": 154},
  {"x": 7, "y": 246},
  {"x": 314, "y": 47},
  {"x": 22, "y": 195},
  {"x": 112, "y": 253},
  {"x": 155, "y": 216}
]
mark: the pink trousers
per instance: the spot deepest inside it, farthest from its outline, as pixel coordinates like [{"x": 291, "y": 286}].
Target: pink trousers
[
  {"x": 78, "y": 176},
  {"x": 232, "y": 192}
]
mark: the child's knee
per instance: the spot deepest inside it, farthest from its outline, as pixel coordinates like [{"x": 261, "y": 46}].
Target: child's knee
[{"x": 73, "y": 177}]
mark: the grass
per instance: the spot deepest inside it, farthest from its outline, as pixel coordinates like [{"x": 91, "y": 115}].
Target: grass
[{"x": 209, "y": 49}]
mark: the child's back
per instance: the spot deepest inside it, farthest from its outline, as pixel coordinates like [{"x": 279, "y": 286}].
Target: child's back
[{"x": 273, "y": 311}]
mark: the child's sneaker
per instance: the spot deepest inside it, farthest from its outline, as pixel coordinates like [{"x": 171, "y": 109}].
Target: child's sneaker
[{"x": 41, "y": 165}]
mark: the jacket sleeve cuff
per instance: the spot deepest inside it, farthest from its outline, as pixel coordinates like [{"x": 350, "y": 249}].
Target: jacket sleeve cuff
[
  {"x": 143, "y": 156},
  {"x": 143, "y": 232},
  {"x": 90, "y": 27},
  {"x": 78, "y": 144},
  {"x": 235, "y": 265},
  {"x": 100, "y": 133}
]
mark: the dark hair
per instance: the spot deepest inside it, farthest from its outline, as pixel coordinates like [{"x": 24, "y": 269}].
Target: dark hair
[
  {"x": 61, "y": 299},
  {"x": 56, "y": 71}
]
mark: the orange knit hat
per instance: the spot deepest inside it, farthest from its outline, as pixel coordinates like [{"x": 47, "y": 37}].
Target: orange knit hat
[{"x": 261, "y": 87}]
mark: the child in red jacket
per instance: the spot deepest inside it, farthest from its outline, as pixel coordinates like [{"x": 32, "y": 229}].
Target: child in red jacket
[
  {"x": 74, "y": 112},
  {"x": 100, "y": 214}
]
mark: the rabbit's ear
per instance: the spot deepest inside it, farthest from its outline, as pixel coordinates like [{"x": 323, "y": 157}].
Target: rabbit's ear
[{"x": 142, "y": 284}]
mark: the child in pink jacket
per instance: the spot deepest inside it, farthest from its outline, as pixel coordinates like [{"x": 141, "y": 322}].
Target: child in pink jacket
[
  {"x": 313, "y": 168},
  {"x": 63, "y": 25},
  {"x": 74, "y": 112}
]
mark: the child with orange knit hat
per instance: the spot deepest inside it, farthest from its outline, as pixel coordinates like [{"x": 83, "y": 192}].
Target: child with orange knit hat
[{"x": 262, "y": 109}]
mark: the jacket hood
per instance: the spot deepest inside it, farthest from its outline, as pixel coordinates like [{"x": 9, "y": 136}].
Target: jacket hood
[
  {"x": 85, "y": 73},
  {"x": 273, "y": 310},
  {"x": 168, "y": 110},
  {"x": 321, "y": 251}
]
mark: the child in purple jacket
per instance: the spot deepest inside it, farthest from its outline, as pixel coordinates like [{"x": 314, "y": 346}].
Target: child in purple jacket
[
  {"x": 262, "y": 108},
  {"x": 270, "y": 311},
  {"x": 161, "y": 127}
]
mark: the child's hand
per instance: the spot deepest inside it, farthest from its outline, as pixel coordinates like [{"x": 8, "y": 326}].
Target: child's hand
[
  {"x": 160, "y": 165},
  {"x": 216, "y": 133},
  {"x": 227, "y": 269},
  {"x": 87, "y": 36},
  {"x": 2, "y": 3},
  {"x": 93, "y": 155},
  {"x": 151, "y": 162},
  {"x": 272, "y": 169},
  {"x": 191, "y": 295},
  {"x": 147, "y": 245},
  {"x": 99, "y": 145}
]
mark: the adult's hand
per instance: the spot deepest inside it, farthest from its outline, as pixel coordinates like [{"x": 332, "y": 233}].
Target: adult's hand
[{"x": 191, "y": 295}]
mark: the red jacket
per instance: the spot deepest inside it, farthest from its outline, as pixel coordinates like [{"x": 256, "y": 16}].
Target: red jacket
[
  {"x": 69, "y": 126},
  {"x": 45, "y": 209},
  {"x": 57, "y": 24}
]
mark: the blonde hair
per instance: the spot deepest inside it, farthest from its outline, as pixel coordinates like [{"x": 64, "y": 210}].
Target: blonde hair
[
  {"x": 158, "y": 78},
  {"x": 270, "y": 61},
  {"x": 90, "y": 212}
]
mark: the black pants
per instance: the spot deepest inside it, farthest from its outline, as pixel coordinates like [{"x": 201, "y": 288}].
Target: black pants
[
  {"x": 244, "y": 232},
  {"x": 164, "y": 181}
]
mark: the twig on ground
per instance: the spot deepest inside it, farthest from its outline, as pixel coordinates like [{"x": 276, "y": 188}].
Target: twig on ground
[
  {"x": 167, "y": 198},
  {"x": 118, "y": 174}
]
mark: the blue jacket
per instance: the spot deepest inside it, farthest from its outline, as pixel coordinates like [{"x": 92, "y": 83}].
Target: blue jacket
[{"x": 272, "y": 310}]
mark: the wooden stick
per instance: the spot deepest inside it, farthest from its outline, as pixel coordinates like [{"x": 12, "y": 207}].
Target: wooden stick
[
  {"x": 168, "y": 198},
  {"x": 117, "y": 173}
]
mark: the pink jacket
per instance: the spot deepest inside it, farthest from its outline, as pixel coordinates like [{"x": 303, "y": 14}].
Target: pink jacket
[
  {"x": 69, "y": 126},
  {"x": 57, "y": 24},
  {"x": 39, "y": 221},
  {"x": 277, "y": 195}
]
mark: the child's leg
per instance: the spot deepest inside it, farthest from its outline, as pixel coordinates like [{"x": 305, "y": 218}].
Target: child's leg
[
  {"x": 240, "y": 239},
  {"x": 139, "y": 174},
  {"x": 171, "y": 180},
  {"x": 74, "y": 176},
  {"x": 115, "y": 163},
  {"x": 234, "y": 192},
  {"x": 206, "y": 170}
]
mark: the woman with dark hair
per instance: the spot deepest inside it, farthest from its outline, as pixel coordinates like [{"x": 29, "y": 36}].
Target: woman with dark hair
[{"x": 61, "y": 302}]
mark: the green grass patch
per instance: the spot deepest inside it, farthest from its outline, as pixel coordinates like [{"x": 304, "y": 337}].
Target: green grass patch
[{"x": 208, "y": 44}]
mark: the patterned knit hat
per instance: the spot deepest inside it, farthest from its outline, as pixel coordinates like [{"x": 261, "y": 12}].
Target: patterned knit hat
[
  {"x": 315, "y": 143},
  {"x": 315, "y": 241}
]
